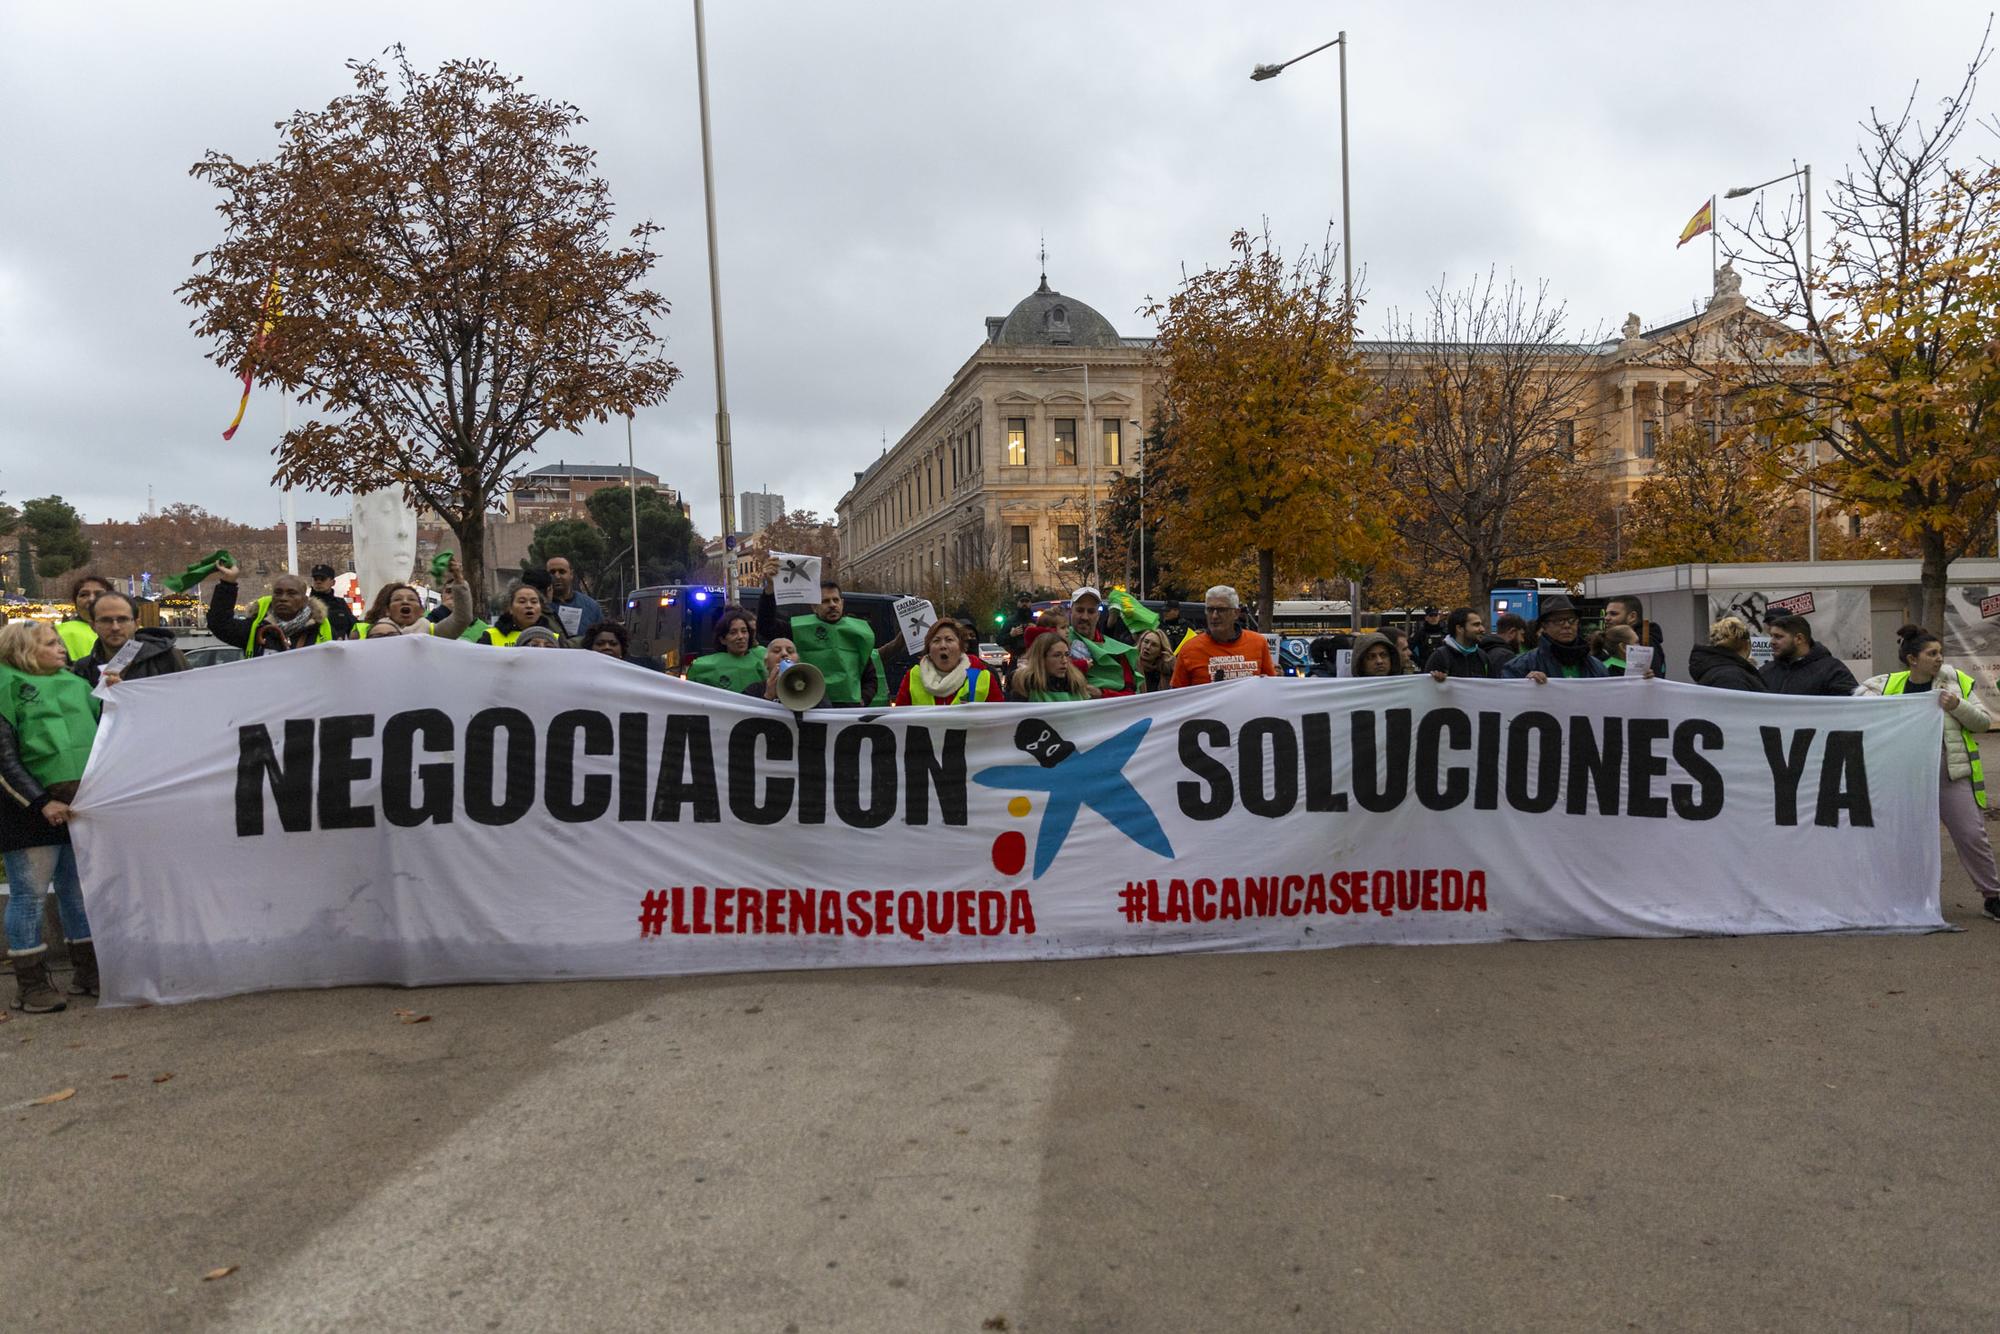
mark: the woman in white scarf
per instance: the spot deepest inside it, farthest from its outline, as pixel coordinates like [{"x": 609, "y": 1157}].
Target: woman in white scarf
[{"x": 944, "y": 675}]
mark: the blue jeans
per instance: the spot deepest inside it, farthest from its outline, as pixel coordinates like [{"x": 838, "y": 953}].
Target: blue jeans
[{"x": 30, "y": 872}]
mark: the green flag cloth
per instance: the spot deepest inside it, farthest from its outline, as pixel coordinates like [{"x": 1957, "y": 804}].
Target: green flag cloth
[
  {"x": 1137, "y": 618},
  {"x": 439, "y": 564},
  {"x": 1104, "y": 670},
  {"x": 195, "y": 573},
  {"x": 476, "y": 632}
]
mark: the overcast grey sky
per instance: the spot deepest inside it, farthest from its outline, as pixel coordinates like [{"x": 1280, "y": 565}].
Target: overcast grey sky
[{"x": 883, "y": 172}]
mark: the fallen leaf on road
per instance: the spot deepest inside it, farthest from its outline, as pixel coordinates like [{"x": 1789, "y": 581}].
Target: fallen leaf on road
[
  {"x": 161, "y": 1079},
  {"x": 1563, "y": 1198},
  {"x": 215, "y": 1274},
  {"x": 412, "y": 1017},
  {"x": 994, "y": 1322},
  {"x": 1896, "y": 993},
  {"x": 121, "y": 1076},
  {"x": 46, "y": 1099}
]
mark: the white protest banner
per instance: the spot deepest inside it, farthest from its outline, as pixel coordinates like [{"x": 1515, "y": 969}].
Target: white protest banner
[
  {"x": 796, "y": 584},
  {"x": 915, "y": 617},
  {"x": 414, "y": 811}
]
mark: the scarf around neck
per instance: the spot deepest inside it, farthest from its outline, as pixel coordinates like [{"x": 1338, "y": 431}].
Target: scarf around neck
[
  {"x": 941, "y": 685},
  {"x": 1571, "y": 654},
  {"x": 298, "y": 623}
]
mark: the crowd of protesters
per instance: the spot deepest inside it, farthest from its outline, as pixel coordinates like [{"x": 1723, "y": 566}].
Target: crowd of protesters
[{"x": 53, "y": 679}]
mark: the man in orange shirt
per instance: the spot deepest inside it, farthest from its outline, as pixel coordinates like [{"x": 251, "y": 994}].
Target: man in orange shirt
[{"x": 1222, "y": 652}]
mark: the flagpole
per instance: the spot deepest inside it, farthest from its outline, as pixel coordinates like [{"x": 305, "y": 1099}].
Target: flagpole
[
  {"x": 291, "y": 506},
  {"x": 1714, "y": 259}
]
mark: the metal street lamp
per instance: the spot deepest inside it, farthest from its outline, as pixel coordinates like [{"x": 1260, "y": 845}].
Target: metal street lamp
[
  {"x": 1088, "y": 422},
  {"x": 1812, "y": 463},
  {"x": 1139, "y": 447},
  {"x": 1258, "y": 75},
  {"x": 1263, "y": 72},
  {"x": 725, "y": 467}
]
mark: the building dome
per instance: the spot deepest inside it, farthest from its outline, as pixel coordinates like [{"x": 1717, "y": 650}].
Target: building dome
[{"x": 1047, "y": 318}]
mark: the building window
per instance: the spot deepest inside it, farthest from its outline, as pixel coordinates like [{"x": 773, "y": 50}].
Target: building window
[
  {"x": 1018, "y": 540},
  {"x": 1114, "y": 442},
  {"x": 1017, "y": 442},
  {"x": 975, "y": 449},
  {"x": 1714, "y": 429},
  {"x": 1566, "y": 437},
  {"x": 1649, "y": 438},
  {"x": 1065, "y": 442},
  {"x": 1069, "y": 545}
]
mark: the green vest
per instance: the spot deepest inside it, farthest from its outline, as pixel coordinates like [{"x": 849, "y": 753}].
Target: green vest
[
  {"x": 251, "y": 649},
  {"x": 55, "y": 720},
  {"x": 838, "y": 650},
  {"x": 78, "y": 638},
  {"x": 1898, "y": 680},
  {"x": 977, "y": 686},
  {"x": 727, "y": 671}
]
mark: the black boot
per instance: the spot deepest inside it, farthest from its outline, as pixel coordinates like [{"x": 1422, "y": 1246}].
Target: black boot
[
  {"x": 32, "y": 990},
  {"x": 83, "y": 966}
]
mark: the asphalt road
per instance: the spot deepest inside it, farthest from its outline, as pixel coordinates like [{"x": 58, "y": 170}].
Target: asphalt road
[{"x": 1775, "y": 1133}]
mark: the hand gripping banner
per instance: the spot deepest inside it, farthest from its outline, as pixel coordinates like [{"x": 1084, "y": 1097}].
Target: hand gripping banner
[{"x": 412, "y": 811}]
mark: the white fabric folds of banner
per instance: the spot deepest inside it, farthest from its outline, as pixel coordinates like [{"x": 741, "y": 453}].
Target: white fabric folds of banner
[{"x": 413, "y": 811}]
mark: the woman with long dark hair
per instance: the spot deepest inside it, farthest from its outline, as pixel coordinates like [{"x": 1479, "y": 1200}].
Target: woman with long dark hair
[
  {"x": 1961, "y": 776},
  {"x": 738, "y": 659}
]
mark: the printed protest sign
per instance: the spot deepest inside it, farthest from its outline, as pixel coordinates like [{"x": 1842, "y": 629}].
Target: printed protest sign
[
  {"x": 796, "y": 584},
  {"x": 915, "y": 617}
]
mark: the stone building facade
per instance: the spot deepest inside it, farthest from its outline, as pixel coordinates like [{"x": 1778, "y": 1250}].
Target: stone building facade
[{"x": 996, "y": 474}]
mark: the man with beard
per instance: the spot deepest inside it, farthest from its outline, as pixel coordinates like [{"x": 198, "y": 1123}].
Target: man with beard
[
  {"x": 286, "y": 617},
  {"x": 1562, "y": 652}
]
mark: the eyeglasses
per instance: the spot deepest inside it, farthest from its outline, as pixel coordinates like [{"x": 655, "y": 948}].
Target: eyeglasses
[{"x": 1219, "y": 611}]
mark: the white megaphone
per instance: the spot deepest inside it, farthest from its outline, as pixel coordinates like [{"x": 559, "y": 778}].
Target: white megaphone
[{"x": 800, "y": 686}]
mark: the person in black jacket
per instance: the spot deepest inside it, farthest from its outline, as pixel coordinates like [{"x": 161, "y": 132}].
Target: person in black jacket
[
  {"x": 1626, "y": 610},
  {"x": 338, "y": 614},
  {"x": 1800, "y": 667},
  {"x": 1561, "y": 653},
  {"x": 1509, "y": 633},
  {"x": 1724, "y": 661},
  {"x": 113, "y": 618},
  {"x": 1459, "y": 654}
]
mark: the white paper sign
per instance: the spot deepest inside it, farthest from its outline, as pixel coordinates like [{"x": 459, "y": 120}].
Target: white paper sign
[
  {"x": 117, "y": 664},
  {"x": 351, "y": 814},
  {"x": 571, "y": 618},
  {"x": 1343, "y": 662},
  {"x": 796, "y": 584},
  {"x": 1638, "y": 660},
  {"x": 914, "y": 617}
]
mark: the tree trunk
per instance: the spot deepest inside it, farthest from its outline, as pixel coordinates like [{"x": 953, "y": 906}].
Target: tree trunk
[
  {"x": 1936, "y": 567},
  {"x": 1266, "y": 587},
  {"x": 471, "y": 532}
]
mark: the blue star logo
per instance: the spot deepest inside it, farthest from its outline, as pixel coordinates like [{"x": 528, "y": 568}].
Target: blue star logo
[{"x": 1073, "y": 779}]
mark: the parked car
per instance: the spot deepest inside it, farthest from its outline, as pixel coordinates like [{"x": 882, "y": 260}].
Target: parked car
[{"x": 208, "y": 655}]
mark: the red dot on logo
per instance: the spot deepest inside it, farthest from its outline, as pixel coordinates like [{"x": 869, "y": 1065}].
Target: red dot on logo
[{"x": 1010, "y": 852}]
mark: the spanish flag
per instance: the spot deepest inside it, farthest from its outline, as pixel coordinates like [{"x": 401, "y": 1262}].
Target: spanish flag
[
  {"x": 267, "y": 319},
  {"x": 1702, "y": 221}
]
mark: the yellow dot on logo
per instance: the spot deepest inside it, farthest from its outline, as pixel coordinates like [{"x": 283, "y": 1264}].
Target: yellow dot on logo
[{"x": 1019, "y": 806}]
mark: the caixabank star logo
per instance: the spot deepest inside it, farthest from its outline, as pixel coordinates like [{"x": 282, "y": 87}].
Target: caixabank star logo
[{"x": 1071, "y": 779}]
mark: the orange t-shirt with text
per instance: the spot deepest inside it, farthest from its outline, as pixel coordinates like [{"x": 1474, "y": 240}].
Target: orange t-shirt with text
[{"x": 1202, "y": 660}]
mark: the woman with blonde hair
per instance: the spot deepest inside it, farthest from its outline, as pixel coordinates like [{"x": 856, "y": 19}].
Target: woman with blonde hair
[
  {"x": 1724, "y": 662},
  {"x": 48, "y": 720},
  {"x": 1047, "y": 673}
]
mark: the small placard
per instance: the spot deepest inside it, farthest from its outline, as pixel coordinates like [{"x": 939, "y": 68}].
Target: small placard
[
  {"x": 796, "y": 583},
  {"x": 1799, "y": 604},
  {"x": 1989, "y": 607},
  {"x": 914, "y": 617}
]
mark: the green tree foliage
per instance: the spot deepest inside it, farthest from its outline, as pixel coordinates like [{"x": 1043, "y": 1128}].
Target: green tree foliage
[
  {"x": 577, "y": 539},
  {"x": 668, "y": 545},
  {"x": 54, "y": 529}
]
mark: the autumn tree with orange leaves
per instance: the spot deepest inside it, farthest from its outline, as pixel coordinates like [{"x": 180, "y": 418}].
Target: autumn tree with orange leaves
[
  {"x": 451, "y": 288},
  {"x": 1887, "y": 399},
  {"x": 1276, "y": 431}
]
